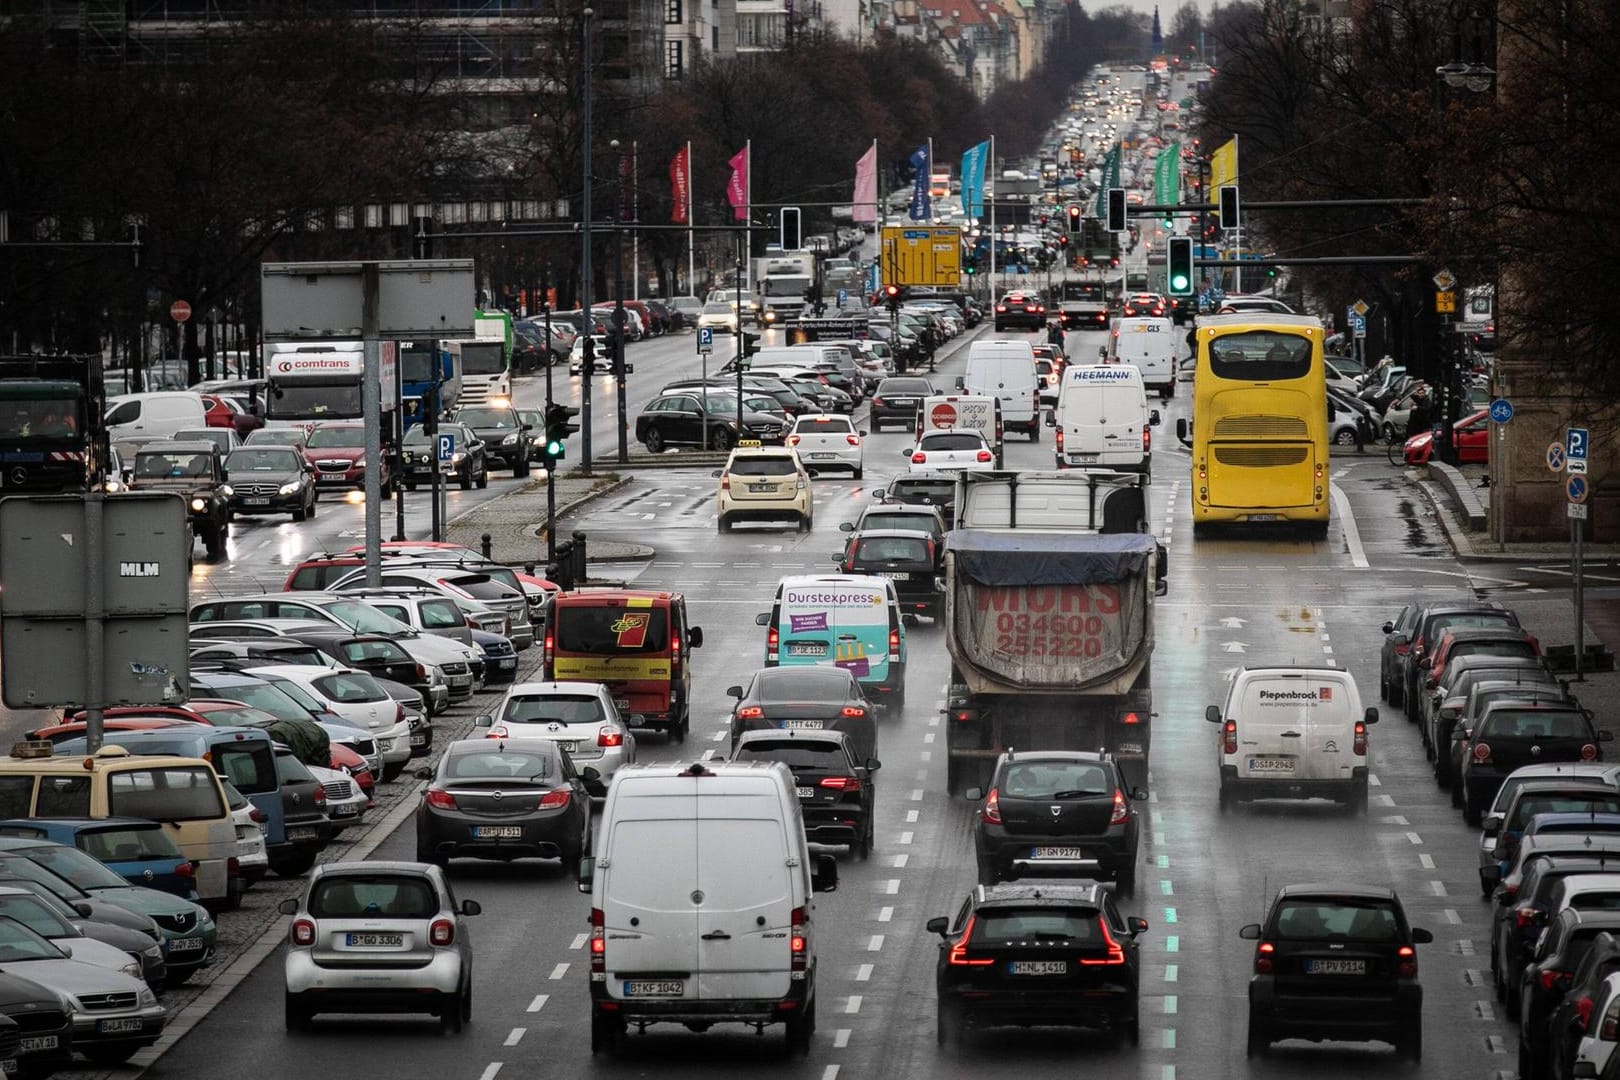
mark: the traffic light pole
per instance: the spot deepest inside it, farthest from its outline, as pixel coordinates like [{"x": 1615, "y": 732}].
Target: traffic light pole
[
  {"x": 433, "y": 450},
  {"x": 551, "y": 466}
]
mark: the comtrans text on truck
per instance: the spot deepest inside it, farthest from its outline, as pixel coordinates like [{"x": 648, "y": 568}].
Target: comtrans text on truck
[
  {"x": 50, "y": 410},
  {"x": 312, "y": 381}
]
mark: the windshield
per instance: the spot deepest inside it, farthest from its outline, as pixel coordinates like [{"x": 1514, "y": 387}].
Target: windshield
[
  {"x": 262, "y": 695},
  {"x": 554, "y": 708},
  {"x": 75, "y": 866},
  {"x": 762, "y": 465},
  {"x": 800, "y": 684},
  {"x": 32, "y": 913},
  {"x": 499, "y": 763},
  {"x": 1055, "y": 780},
  {"x": 1320, "y": 920},
  {"x": 277, "y": 437},
  {"x": 303, "y": 698},
  {"x": 893, "y": 549},
  {"x": 266, "y": 461},
  {"x": 890, "y": 387},
  {"x": 417, "y": 437},
  {"x": 153, "y": 465},
  {"x": 416, "y": 361},
  {"x": 30, "y": 410},
  {"x": 1033, "y": 924},
  {"x": 796, "y": 754},
  {"x": 1534, "y": 724},
  {"x": 19, "y": 944},
  {"x": 483, "y": 358},
  {"x": 949, "y": 441},
  {"x": 611, "y": 629},
  {"x": 913, "y": 522},
  {"x": 784, "y": 286},
  {"x": 127, "y": 845},
  {"x": 351, "y": 688},
  {"x": 293, "y": 400},
  {"x": 18, "y": 871},
  {"x": 1260, "y": 355},
  {"x": 373, "y": 896},
  {"x": 487, "y": 418},
  {"x": 808, "y": 426},
  {"x": 330, "y": 437}
]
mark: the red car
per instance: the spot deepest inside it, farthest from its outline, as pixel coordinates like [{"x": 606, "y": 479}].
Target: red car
[
  {"x": 1471, "y": 436},
  {"x": 337, "y": 452}
]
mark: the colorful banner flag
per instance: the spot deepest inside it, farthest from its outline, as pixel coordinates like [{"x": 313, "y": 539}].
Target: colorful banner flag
[
  {"x": 865, "y": 202},
  {"x": 737, "y": 187},
  {"x": 1167, "y": 176},
  {"x": 1223, "y": 166},
  {"x": 680, "y": 185},
  {"x": 973, "y": 166},
  {"x": 921, "y": 208},
  {"x": 1110, "y": 179}
]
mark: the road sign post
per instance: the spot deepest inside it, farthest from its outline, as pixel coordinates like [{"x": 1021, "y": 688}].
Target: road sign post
[
  {"x": 705, "y": 340},
  {"x": 1578, "y": 489}
]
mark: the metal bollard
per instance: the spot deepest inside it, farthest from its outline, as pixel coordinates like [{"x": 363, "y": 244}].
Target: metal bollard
[
  {"x": 484, "y": 544},
  {"x": 528, "y": 568},
  {"x": 580, "y": 573},
  {"x": 565, "y": 565}
]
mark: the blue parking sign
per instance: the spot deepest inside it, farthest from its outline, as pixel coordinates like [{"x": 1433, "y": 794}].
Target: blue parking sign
[
  {"x": 447, "y": 446},
  {"x": 1576, "y": 442}
]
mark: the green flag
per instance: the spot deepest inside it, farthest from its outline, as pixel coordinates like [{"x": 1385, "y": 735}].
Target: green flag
[
  {"x": 1110, "y": 179},
  {"x": 1167, "y": 176}
]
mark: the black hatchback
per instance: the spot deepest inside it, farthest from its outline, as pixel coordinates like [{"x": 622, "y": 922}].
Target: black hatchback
[
  {"x": 1515, "y": 733},
  {"x": 504, "y": 799},
  {"x": 897, "y": 400},
  {"x": 805, "y": 698},
  {"x": 905, "y": 558},
  {"x": 1336, "y": 961},
  {"x": 836, "y": 794},
  {"x": 1067, "y": 813},
  {"x": 937, "y": 489}
]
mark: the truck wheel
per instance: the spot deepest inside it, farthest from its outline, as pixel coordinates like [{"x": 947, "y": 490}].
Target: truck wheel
[{"x": 1035, "y": 428}]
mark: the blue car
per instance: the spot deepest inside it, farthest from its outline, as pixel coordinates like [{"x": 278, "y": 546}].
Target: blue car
[
  {"x": 500, "y": 657},
  {"x": 137, "y": 850}
]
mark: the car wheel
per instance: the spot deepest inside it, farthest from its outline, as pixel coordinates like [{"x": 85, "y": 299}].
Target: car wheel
[
  {"x": 466, "y": 1003},
  {"x": 1035, "y": 430},
  {"x": 1132, "y": 1029},
  {"x": 312, "y": 501},
  {"x": 1472, "y": 812},
  {"x": 1358, "y": 801},
  {"x": 214, "y": 541},
  {"x": 859, "y": 473},
  {"x": 1397, "y": 693},
  {"x": 483, "y": 479},
  {"x": 520, "y": 470},
  {"x": 300, "y": 514},
  {"x": 297, "y": 1014},
  {"x": 605, "y": 1034},
  {"x": 722, "y": 439},
  {"x": 1226, "y": 797},
  {"x": 948, "y": 1025},
  {"x": 1259, "y": 1041},
  {"x": 1344, "y": 437},
  {"x": 1409, "y": 1043},
  {"x": 450, "y": 1012},
  {"x": 654, "y": 441},
  {"x": 1125, "y": 881},
  {"x": 725, "y": 524},
  {"x": 466, "y": 480},
  {"x": 295, "y": 864}
]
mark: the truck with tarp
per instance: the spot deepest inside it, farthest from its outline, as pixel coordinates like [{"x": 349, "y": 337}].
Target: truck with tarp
[
  {"x": 1049, "y": 607},
  {"x": 50, "y": 414}
]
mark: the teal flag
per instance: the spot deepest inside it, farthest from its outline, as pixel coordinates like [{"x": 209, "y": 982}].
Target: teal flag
[
  {"x": 1167, "y": 176},
  {"x": 1110, "y": 179}
]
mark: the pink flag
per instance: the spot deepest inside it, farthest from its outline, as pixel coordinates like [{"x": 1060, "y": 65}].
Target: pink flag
[
  {"x": 866, "y": 186},
  {"x": 680, "y": 180},
  {"x": 737, "y": 188}
]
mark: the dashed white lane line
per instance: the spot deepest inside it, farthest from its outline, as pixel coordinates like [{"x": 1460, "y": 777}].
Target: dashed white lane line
[
  {"x": 1169, "y": 1038},
  {"x": 911, "y": 816},
  {"x": 853, "y": 1005},
  {"x": 905, "y": 838},
  {"x": 928, "y": 737},
  {"x": 1395, "y": 819},
  {"x": 875, "y": 943},
  {"x": 892, "y": 886},
  {"x": 916, "y": 794},
  {"x": 1347, "y": 524},
  {"x": 926, "y": 755},
  {"x": 559, "y": 971},
  {"x": 863, "y": 973},
  {"x": 1452, "y": 917},
  {"x": 1415, "y": 838},
  {"x": 539, "y": 1002},
  {"x": 1383, "y": 800},
  {"x": 841, "y": 1038},
  {"x": 490, "y": 1071},
  {"x": 1373, "y": 781},
  {"x": 579, "y": 941},
  {"x": 1438, "y": 888},
  {"x": 1172, "y": 972},
  {"x": 514, "y": 1037},
  {"x": 830, "y": 1073},
  {"x": 720, "y": 736},
  {"x": 1426, "y": 861},
  {"x": 885, "y": 914},
  {"x": 900, "y": 861},
  {"x": 1170, "y": 1005}
]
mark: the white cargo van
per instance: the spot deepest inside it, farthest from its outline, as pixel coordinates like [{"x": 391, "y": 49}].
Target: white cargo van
[
  {"x": 1293, "y": 733},
  {"x": 952, "y": 412},
  {"x": 1103, "y": 420},
  {"x": 155, "y": 415},
  {"x": 1005, "y": 369},
  {"x": 1150, "y": 346},
  {"x": 701, "y": 907}
]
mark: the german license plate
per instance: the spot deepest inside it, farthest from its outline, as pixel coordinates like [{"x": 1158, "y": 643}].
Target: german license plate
[
  {"x": 33, "y": 1044},
  {"x": 1057, "y": 853},
  {"x": 569, "y": 745},
  {"x": 1265, "y": 517},
  {"x": 807, "y": 648},
  {"x": 1335, "y": 967},
  {"x": 305, "y": 832},
  {"x": 822, "y": 457},
  {"x": 1270, "y": 765},
  {"x": 368, "y": 940},
  {"x": 507, "y": 663},
  {"x": 119, "y": 1025},
  {"x": 763, "y": 489},
  {"x": 185, "y": 945},
  {"x": 806, "y": 792},
  {"x": 498, "y": 832},
  {"x": 345, "y": 810},
  {"x": 1039, "y": 967},
  {"x": 1128, "y": 748},
  {"x": 896, "y": 575},
  {"x": 902, "y": 401},
  {"x": 654, "y": 987},
  {"x": 255, "y": 502},
  {"x": 458, "y": 681},
  {"x": 803, "y": 725},
  {"x": 419, "y": 738}
]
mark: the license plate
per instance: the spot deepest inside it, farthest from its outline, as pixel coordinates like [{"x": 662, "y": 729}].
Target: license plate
[
  {"x": 908, "y": 402},
  {"x": 1335, "y": 967},
  {"x": 498, "y": 832},
  {"x": 1057, "y": 853},
  {"x": 306, "y": 832},
  {"x": 419, "y": 738},
  {"x": 806, "y": 792},
  {"x": 458, "y": 681},
  {"x": 33, "y": 1044},
  {"x": 1039, "y": 967},
  {"x": 119, "y": 1026},
  {"x": 508, "y": 663},
  {"x": 255, "y": 502},
  {"x": 1271, "y": 765},
  {"x": 185, "y": 945},
  {"x": 763, "y": 489},
  {"x": 569, "y": 745},
  {"x": 375, "y": 941},
  {"x": 807, "y": 648},
  {"x": 8, "y": 1067},
  {"x": 1128, "y": 748},
  {"x": 622, "y": 704},
  {"x": 345, "y": 810},
  {"x": 1265, "y": 517},
  {"x": 654, "y": 987},
  {"x": 822, "y": 457},
  {"x": 803, "y": 725},
  {"x": 895, "y": 575}
]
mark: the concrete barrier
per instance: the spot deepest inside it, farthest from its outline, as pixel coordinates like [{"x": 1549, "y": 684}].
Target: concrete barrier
[{"x": 1462, "y": 495}]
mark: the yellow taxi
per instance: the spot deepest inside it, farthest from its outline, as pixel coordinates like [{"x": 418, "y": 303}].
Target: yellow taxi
[{"x": 765, "y": 483}]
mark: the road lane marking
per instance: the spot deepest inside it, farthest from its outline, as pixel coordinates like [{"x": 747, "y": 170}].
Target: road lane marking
[
  {"x": 911, "y": 817},
  {"x": 926, "y": 755},
  {"x": 579, "y": 941},
  {"x": 1415, "y": 838},
  {"x": 1373, "y": 781},
  {"x": 892, "y": 886},
  {"x": 885, "y": 914},
  {"x": 559, "y": 971},
  {"x": 863, "y": 973},
  {"x": 830, "y": 1073},
  {"x": 1426, "y": 861},
  {"x": 514, "y": 1037},
  {"x": 1485, "y": 1010},
  {"x": 1169, "y": 1038},
  {"x": 905, "y": 838},
  {"x": 1395, "y": 819},
  {"x": 1165, "y": 888},
  {"x": 490, "y": 1070},
  {"x": 1169, "y": 914},
  {"x": 900, "y": 861},
  {"x": 1163, "y": 862},
  {"x": 1172, "y": 972},
  {"x": 841, "y": 1038},
  {"x": 928, "y": 737},
  {"x": 853, "y": 1005},
  {"x": 539, "y": 1002},
  {"x": 1170, "y": 1004},
  {"x": 1158, "y": 838},
  {"x": 1438, "y": 888},
  {"x": 1456, "y": 920},
  {"x": 916, "y": 794},
  {"x": 875, "y": 943}
]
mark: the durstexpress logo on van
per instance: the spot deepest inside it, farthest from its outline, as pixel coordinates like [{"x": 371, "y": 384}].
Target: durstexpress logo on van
[
  {"x": 834, "y": 599},
  {"x": 1296, "y": 697}
]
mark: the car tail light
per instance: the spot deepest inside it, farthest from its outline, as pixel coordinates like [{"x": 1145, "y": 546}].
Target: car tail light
[
  {"x": 1131, "y": 718},
  {"x": 320, "y": 795},
  {"x": 1510, "y": 889},
  {"x": 1116, "y": 954},
  {"x": 421, "y": 673},
  {"x": 440, "y": 799},
  {"x": 793, "y": 440},
  {"x": 894, "y": 646},
  {"x": 751, "y": 712},
  {"x": 598, "y": 943},
  {"x": 852, "y": 711},
  {"x": 773, "y": 639},
  {"x": 1262, "y": 957},
  {"x": 607, "y": 736},
  {"x": 1359, "y": 746},
  {"x": 1588, "y": 751},
  {"x": 1229, "y": 737},
  {"x": 556, "y": 800},
  {"x": 257, "y": 816},
  {"x": 1552, "y": 980},
  {"x": 798, "y": 941},
  {"x": 841, "y": 783},
  {"x": 919, "y": 458},
  {"x": 1058, "y": 436},
  {"x": 1583, "y": 1011},
  {"x": 1001, "y": 309},
  {"x": 1406, "y": 966},
  {"x": 1482, "y": 753},
  {"x": 1609, "y": 1030},
  {"x": 992, "y": 807},
  {"x": 853, "y": 439},
  {"x": 442, "y": 932},
  {"x": 1122, "y": 809},
  {"x": 675, "y": 656},
  {"x": 958, "y": 954},
  {"x": 1524, "y": 916},
  {"x": 550, "y": 649},
  {"x": 877, "y": 403},
  {"x": 185, "y": 869},
  {"x": 985, "y": 455},
  {"x": 303, "y": 932},
  {"x": 725, "y": 481}
]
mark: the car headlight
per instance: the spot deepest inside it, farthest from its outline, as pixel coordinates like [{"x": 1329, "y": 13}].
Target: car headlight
[
  {"x": 153, "y": 952},
  {"x": 199, "y": 504},
  {"x": 144, "y": 996},
  {"x": 510, "y": 440},
  {"x": 458, "y": 457},
  {"x": 359, "y": 464},
  {"x": 290, "y": 487},
  {"x": 226, "y": 488},
  {"x": 132, "y": 969}
]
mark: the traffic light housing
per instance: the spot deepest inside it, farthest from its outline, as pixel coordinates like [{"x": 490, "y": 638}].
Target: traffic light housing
[
  {"x": 749, "y": 344},
  {"x": 1227, "y": 209},
  {"x": 891, "y": 296},
  {"x": 1116, "y": 209},
  {"x": 1179, "y": 263},
  {"x": 1074, "y": 219},
  {"x": 587, "y": 350},
  {"x": 559, "y": 425}
]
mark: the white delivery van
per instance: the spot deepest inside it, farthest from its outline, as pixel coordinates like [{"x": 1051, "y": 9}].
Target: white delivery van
[
  {"x": 1150, "y": 346},
  {"x": 701, "y": 908},
  {"x": 1292, "y": 733},
  {"x": 852, "y": 621},
  {"x": 158, "y": 414},
  {"x": 952, "y": 412},
  {"x": 1005, "y": 369},
  {"x": 1103, "y": 420}
]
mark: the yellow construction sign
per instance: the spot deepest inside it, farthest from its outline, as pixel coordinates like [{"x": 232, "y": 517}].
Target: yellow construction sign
[{"x": 922, "y": 255}]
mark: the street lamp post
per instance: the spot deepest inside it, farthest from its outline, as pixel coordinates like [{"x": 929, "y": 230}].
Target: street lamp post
[
  {"x": 619, "y": 319},
  {"x": 587, "y": 321}
]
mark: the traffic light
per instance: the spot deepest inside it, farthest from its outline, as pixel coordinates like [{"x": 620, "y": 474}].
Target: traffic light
[
  {"x": 749, "y": 344},
  {"x": 1179, "y": 261},
  {"x": 559, "y": 425},
  {"x": 1228, "y": 206},
  {"x": 970, "y": 262},
  {"x": 891, "y": 296},
  {"x": 588, "y": 356},
  {"x": 1116, "y": 209},
  {"x": 1074, "y": 219},
  {"x": 791, "y": 228}
]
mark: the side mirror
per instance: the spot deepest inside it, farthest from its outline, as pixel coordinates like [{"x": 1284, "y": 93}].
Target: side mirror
[
  {"x": 762, "y": 619},
  {"x": 1492, "y": 825},
  {"x": 1250, "y": 932},
  {"x": 959, "y": 382},
  {"x": 717, "y": 473},
  {"x": 1370, "y": 717},
  {"x": 1389, "y": 628},
  {"x": 939, "y": 924},
  {"x": 906, "y": 453},
  {"x": 694, "y": 637},
  {"x": 424, "y": 773},
  {"x": 587, "y": 872},
  {"x": 974, "y": 794},
  {"x": 734, "y": 691},
  {"x": 1421, "y": 936},
  {"x": 861, "y": 433},
  {"x": 1139, "y": 794},
  {"x": 878, "y": 493},
  {"x": 910, "y": 619},
  {"x": 1153, "y": 418},
  {"x": 1102, "y": 352},
  {"x": 471, "y": 907},
  {"x": 873, "y": 764},
  {"x": 1213, "y": 714},
  {"x": 838, "y": 557},
  {"x": 288, "y": 906},
  {"x": 1137, "y": 925},
  {"x": 824, "y": 878},
  {"x": 483, "y": 720},
  {"x": 846, "y": 526},
  {"x": 588, "y": 773},
  {"x": 83, "y": 908},
  {"x": 1182, "y": 434}
]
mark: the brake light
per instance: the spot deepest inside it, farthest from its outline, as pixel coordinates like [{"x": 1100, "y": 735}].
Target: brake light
[
  {"x": 675, "y": 655},
  {"x": 320, "y": 794},
  {"x": 1122, "y": 809},
  {"x": 841, "y": 783},
  {"x": 1583, "y": 1010},
  {"x": 1147, "y": 439},
  {"x": 853, "y": 439},
  {"x": 1002, "y": 308},
  {"x": 984, "y": 455},
  {"x": 919, "y": 458},
  {"x": 1229, "y": 737},
  {"x": 607, "y": 736},
  {"x": 1482, "y": 753},
  {"x": 877, "y": 402},
  {"x": 1609, "y": 1031},
  {"x": 1510, "y": 889},
  {"x": 1406, "y": 957},
  {"x": 853, "y": 711},
  {"x": 1058, "y": 435},
  {"x": 556, "y": 800},
  {"x": 257, "y": 816},
  {"x": 992, "y": 807},
  {"x": 793, "y": 440},
  {"x": 1550, "y": 980},
  {"x": 442, "y": 932},
  {"x": 550, "y": 649},
  {"x": 894, "y": 646},
  {"x": 773, "y": 639},
  {"x": 725, "y": 481},
  {"x": 1116, "y": 954},
  {"x": 1131, "y": 718},
  {"x": 440, "y": 799},
  {"x": 1589, "y": 752},
  {"x": 958, "y": 954},
  {"x": 1262, "y": 957},
  {"x": 798, "y": 941},
  {"x": 1360, "y": 743},
  {"x": 185, "y": 869},
  {"x": 421, "y": 673},
  {"x": 598, "y": 943},
  {"x": 1524, "y": 917},
  {"x": 751, "y": 712},
  {"x": 303, "y": 932}
]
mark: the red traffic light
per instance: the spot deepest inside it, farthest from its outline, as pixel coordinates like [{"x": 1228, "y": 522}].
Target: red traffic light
[{"x": 891, "y": 291}]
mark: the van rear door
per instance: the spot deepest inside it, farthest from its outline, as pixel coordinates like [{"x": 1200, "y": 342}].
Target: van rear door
[
  {"x": 1296, "y": 726},
  {"x": 745, "y": 919},
  {"x": 650, "y": 917}
]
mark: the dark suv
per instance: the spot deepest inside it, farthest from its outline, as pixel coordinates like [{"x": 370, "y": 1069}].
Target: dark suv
[
  {"x": 503, "y": 432},
  {"x": 303, "y": 802},
  {"x": 836, "y": 794},
  {"x": 193, "y": 470},
  {"x": 1052, "y": 954},
  {"x": 1336, "y": 961},
  {"x": 923, "y": 489},
  {"x": 1057, "y": 812},
  {"x": 905, "y": 558}
]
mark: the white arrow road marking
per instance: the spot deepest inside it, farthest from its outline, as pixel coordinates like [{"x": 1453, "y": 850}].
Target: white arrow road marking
[
  {"x": 1232, "y": 622},
  {"x": 1234, "y": 646}
]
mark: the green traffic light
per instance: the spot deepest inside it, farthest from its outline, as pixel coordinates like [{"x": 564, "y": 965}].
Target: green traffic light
[{"x": 1180, "y": 283}]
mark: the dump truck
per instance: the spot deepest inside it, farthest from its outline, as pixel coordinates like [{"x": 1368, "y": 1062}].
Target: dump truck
[{"x": 1049, "y": 596}]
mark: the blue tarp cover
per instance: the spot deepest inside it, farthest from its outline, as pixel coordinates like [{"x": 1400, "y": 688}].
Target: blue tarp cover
[{"x": 1043, "y": 558}]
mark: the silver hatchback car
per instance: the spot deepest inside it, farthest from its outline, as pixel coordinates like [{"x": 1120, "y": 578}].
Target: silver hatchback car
[
  {"x": 376, "y": 937},
  {"x": 579, "y": 716}
]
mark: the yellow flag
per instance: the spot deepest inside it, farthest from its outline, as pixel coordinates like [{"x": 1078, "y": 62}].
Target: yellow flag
[{"x": 1223, "y": 165}]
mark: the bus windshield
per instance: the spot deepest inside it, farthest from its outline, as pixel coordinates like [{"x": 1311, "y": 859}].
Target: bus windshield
[{"x": 1259, "y": 356}]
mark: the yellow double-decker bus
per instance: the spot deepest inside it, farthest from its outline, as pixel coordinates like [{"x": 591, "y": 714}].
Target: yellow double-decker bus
[{"x": 1259, "y": 433}]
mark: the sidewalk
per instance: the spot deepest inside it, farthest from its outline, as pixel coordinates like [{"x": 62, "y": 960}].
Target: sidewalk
[{"x": 516, "y": 521}]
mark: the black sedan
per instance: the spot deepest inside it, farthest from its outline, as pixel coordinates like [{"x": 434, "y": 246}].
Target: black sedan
[
  {"x": 685, "y": 417},
  {"x": 503, "y": 799},
  {"x": 836, "y": 794},
  {"x": 1017, "y": 309},
  {"x": 817, "y": 698},
  {"x": 1324, "y": 946},
  {"x": 271, "y": 480},
  {"x": 503, "y": 432},
  {"x": 897, "y": 400},
  {"x": 1057, "y": 812},
  {"x": 1056, "y": 955},
  {"x": 905, "y": 558},
  {"x": 467, "y": 465}
]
